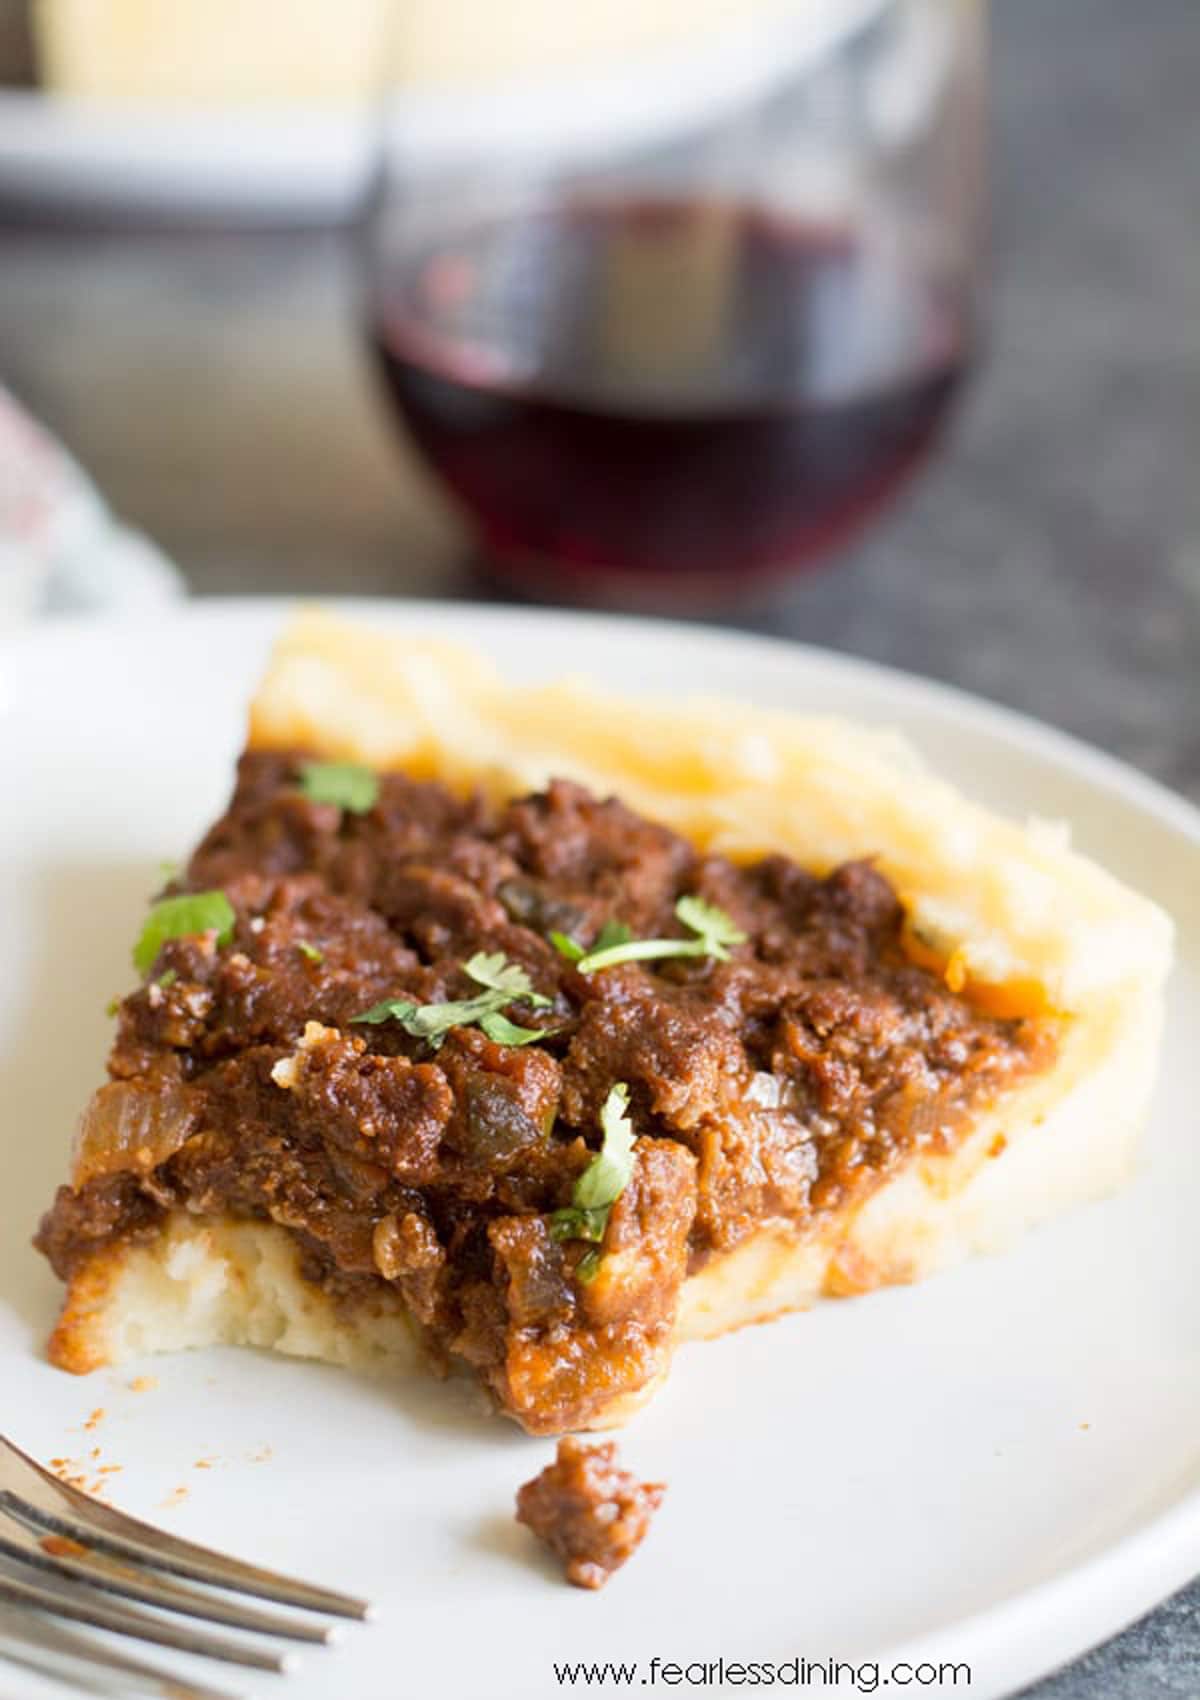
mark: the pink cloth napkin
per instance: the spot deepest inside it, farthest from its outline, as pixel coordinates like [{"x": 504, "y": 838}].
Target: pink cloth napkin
[{"x": 60, "y": 547}]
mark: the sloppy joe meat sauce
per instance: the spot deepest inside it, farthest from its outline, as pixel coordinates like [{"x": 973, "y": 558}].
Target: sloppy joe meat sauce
[
  {"x": 590, "y": 1512},
  {"x": 779, "y": 1085}
]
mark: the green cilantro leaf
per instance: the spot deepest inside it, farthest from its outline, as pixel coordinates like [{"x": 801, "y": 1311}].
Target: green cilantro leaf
[
  {"x": 311, "y": 951},
  {"x": 501, "y": 1031},
  {"x": 588, "y": 1267},
  {"x": 713, "y": 932},
  {"x": 611, "y": 933},
  {"x": 168, "y": 979},
  {"x": 345, "y": 784},
  {"x": 717, "y": 929},
  {"x": 607, "y": 1175},
  {"x": 391, "y": 1009},
  {"x": 495, "y": 972},
  {"x": 111, "y": 1007},
  {"x": 431, "y": 1021},
  {"x": 603, "y": 1181},
  {"x": 183, "y": 917},
  {"x": 572, "y": 1223},
  {"x": 504, "y": 982}
]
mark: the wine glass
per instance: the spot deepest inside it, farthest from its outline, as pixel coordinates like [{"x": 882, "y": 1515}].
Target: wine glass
[{"x": 668, "y": 309}]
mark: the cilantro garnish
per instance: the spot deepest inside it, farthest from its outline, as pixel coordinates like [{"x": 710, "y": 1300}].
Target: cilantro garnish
[
  {"x": 611, "y": 933},
  {"x": 183, "y": 917},
  {"x": 168, "y": 979},
  {"x": 345, "y": 784},
  {"x": 713, "y": 932},
  {"x": 716, "y": 929},
  {"x": 504, "y": 982},
  {"x": 502, "y": 1031},
  {"x": 111, "y": 1007},
  {"x": 311, "y": 951},
  {"x": 493, "y": 970},
  {"x": 601, "y": 1183}
]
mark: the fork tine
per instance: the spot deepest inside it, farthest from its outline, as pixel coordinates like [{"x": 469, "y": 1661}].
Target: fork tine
[
  {"x": 53, "y": 1649},
  {"x": 125, "y": 1620},
  {"x": 80, "y": 1564},
  {"x": 80, "y": 1680},
  {"x": 35, "y": 1496}
]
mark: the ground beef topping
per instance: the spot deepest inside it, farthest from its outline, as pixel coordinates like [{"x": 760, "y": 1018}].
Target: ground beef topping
[
  {"x": 590, "y": 1512},
  {"x": 779, "y": 1079}
]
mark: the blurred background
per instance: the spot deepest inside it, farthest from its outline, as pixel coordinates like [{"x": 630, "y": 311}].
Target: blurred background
[
  {"x": 979, "y": 423},
  {"x": 871, "y": 323}
]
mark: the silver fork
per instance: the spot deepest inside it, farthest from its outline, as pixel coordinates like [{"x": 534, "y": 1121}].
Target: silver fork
[{"x": 65, "y": 1555}]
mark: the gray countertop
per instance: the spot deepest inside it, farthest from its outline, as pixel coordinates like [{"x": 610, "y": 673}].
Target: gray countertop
[{"x": 1050, "y": 558}]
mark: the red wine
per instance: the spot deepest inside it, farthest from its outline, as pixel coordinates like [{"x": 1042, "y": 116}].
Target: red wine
[{"x": 638, "y": 398}]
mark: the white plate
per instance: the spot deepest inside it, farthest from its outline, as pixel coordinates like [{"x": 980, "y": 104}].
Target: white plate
[
  {"x": 281, "y": 163},
  {"x": 999, "y": 1467},
  {"x": 281, "y": 166}
]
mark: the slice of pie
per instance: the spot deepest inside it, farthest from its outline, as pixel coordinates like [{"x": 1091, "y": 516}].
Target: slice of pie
[{"x": 535, "y": 1031}]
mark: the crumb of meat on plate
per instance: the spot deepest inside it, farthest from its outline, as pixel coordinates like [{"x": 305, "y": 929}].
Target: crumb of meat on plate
[{"x": 588, "y": 1510}]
